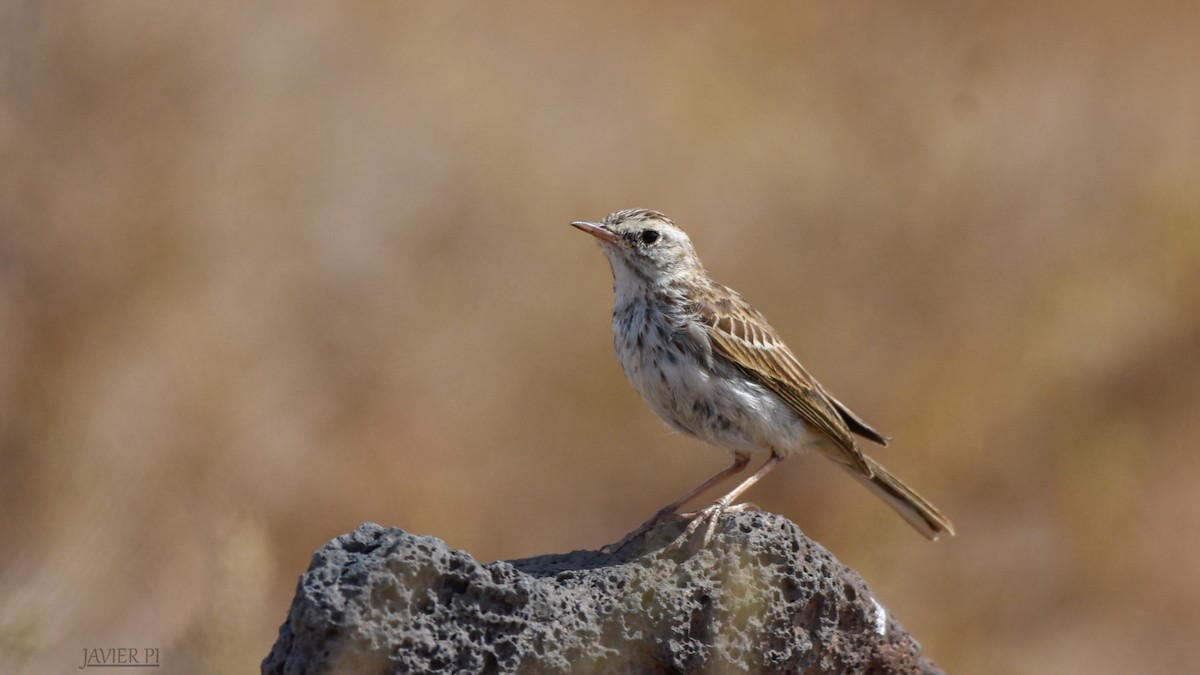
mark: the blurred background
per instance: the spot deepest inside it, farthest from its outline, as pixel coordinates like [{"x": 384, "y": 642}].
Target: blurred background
[{"x": 270, "y": 271}]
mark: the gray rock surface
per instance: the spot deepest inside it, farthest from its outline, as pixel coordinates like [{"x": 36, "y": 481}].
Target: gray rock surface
[{"x": 761, "y": 598}]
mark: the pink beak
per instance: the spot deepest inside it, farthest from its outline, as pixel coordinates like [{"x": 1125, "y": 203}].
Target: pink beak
[{"x": 598, "y": 231}]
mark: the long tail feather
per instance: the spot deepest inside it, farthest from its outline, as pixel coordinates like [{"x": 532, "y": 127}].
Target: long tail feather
[{"x": 911, "y": 506}]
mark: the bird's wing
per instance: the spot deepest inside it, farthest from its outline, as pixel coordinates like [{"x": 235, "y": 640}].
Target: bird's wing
[
  {"x": 856, "y": 423},
  {"x": 741, "y": 334}
]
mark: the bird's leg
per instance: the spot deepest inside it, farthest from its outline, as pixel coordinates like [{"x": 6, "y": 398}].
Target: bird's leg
[
  {"x": 709, "y": 515},
  {"x": 739, "y": 463}
]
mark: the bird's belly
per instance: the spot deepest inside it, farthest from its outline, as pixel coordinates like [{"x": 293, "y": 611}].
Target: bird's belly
[{"x": 726, "y": 409}]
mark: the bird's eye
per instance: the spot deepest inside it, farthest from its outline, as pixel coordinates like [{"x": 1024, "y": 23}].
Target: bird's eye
[{"x": 649, "y": 236}]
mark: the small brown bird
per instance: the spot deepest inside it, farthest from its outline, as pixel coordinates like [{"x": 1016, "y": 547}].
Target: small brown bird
[{"x": 711, "y": 367}]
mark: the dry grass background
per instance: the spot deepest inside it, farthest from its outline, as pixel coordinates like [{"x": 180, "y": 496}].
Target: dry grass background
[{"x": 268, "y": 271}]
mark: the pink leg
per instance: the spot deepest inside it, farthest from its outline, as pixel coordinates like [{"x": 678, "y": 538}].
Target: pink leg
[
  {"x": 739, "y": 463},
  {"x": 712, "y": 513}
]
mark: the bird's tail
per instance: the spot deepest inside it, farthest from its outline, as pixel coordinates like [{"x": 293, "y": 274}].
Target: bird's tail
[{"x": 911, "y": 506}]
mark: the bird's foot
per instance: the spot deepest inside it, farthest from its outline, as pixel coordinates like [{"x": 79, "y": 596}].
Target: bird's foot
[
  {"x": 708, "y": 518},
  {"x": 657, "y": 519}
]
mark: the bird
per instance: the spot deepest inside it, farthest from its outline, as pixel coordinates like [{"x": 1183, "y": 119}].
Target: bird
[{"x": 708, "y": 363}]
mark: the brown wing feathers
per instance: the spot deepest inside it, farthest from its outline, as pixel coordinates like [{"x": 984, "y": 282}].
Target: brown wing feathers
[{"x": 740, "y": 334}]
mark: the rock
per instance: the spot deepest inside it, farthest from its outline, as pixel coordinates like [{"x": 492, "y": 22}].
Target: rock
[{"x": 760, "y": 598}]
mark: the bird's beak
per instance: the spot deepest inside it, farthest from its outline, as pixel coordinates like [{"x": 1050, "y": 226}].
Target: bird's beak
[{"x": 598, "y": 231}]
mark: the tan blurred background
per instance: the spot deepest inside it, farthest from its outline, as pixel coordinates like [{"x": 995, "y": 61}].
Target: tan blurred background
[{"x": 270, "y": 271}]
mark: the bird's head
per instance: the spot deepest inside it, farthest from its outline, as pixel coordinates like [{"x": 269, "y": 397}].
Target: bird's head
[{"x": 644, "y": 247}]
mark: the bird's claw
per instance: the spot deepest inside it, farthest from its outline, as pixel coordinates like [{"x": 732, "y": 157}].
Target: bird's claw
[{"x": 707, "y": 517}]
